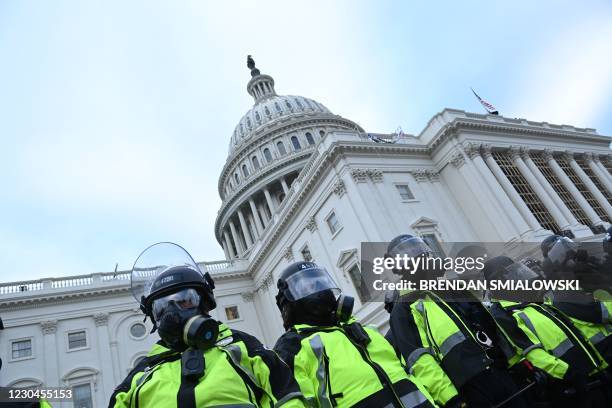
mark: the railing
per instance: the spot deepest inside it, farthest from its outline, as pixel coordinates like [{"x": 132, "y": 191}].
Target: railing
[{"x": 79, "y": 281}]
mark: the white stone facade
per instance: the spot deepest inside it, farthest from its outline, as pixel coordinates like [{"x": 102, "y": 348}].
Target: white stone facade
[{"x": 465, "y": 177}]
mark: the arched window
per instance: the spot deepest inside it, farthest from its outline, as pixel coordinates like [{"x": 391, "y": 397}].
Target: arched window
[
  {"x": 267, "y": 155},
  {"x": 278, "y": 108},
  {"x": 281, "y": 148},
  {"x": 296, "y": 143},
  {"x": 321, "y": 133},
  {"x": 236, "y": 178},
  {"x": 255, "y": 162},
  {"x": 245, "y": 171},
  {"x": 309, "y": 139}
]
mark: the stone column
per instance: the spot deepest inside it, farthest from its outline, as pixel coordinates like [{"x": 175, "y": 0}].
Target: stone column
[
  {"x": 599, "y": 163},
  {"x": 561, "y": 221},
  {"x": 269, "y": 200},
  {"x": 264, "y": 215},
  {"x": 116, "y": 365},
  {"x": 254, "y": 229},
  {"x": 236, "y": 239},
  {"x": 258, "y": 223},
  {"x": 498, "y": 230},
  {"x": 284, "y": 185},
  {"x": 228, "y": 245},
  {"x": 50, "y": 353},
  {"x": 569, "y": 156},
  {"x": 602, "y": 177},
  {"x": 569, "y": 185},
  {"x": 515, "y": 197},
  {"x": 245, "y": 229},
  {"x": 567, "y": 213},
  {"x": 104, "y": 352},
  {"x": 225, "y": 250},
  {"x": 507, "y": 207}
]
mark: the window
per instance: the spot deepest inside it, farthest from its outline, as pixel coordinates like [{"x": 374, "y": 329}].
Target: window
[
  {"x": 306, "y": 255},
  {"x": 278, "y": 108},
  {"x": 333, "y": 223},
  {"x": 281, "y": 197},
  {"x": 232, "y": 313},
  {"x": 81, "y": 396},
  {"x": 21, "y": 349},
  {"x": 236, "y": 178},
  {"x": 138, "y": 330},
  {"x": 296, "y": 143},
  {"x": 281, "y": 148},
  {"x": 404, "y": 192},
  {"x": 310, "y": 139},
  {"x": 267, "y": 155},
  {"x": 255, "y": 162},
  {"x": 321, "y": 133},
  {"x": 245, "y": 171},
  {"x": 359, "y": 283},
  {"x": 77, "y": 340},
  {"x": 267, "y": 111}
]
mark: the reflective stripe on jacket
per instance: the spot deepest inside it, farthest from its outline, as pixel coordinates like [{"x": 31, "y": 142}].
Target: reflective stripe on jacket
[{"x": 334, "y": 370}]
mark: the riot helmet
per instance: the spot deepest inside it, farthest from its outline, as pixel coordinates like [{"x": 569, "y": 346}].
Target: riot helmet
[
  {"x": 548, "y": 243},
  {"x": 308, "y": 294},
  {"x": 562, "y": 251},
  {"x": 533, "y": 264},
  {"x": 504, "y": 269},
  {"x": 171, "y": 290},
  {"x": 408, "y": 246}
]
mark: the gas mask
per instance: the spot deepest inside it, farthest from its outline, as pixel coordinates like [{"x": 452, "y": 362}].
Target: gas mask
[{"x": 180, "y": 323}]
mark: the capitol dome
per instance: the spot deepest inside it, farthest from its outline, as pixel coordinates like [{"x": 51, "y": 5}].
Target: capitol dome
[
  {"x": 270, "y": 145},
  {"x": 270, "y": 110}
]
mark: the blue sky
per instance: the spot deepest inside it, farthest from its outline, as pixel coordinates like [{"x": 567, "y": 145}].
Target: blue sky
[{"x": 115, "y": 116}]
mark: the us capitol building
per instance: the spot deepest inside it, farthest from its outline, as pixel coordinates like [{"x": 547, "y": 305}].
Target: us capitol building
[{"x": 301, "y": 183}]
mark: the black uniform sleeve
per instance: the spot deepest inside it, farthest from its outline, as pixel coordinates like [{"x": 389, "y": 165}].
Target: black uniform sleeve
[
  {"x": 281, "y": 381},
  {"x": 507, "y": 322},
  {"x": 406, "y": 336},
  {"x": 592, "y": 312},
  {"x": 287, "y": 347}
]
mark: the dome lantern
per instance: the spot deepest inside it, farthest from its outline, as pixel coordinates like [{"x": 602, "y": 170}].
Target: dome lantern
[{"x": 260, "y": 86}]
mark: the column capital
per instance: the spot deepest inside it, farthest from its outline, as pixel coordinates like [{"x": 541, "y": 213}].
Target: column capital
[
  {"x": 288, "y": 254},
  {"x": 548, "y": 155},
  {"x": 247, "y": 296},
  {"x": 48, "y": 326},
  {"x": 458, "y": 160},
  {"x": 359, "y": 175},
  {"x": 588, "y": 157},
  {"x": 311, "y": 224},
  {"x": 420, "y": 175},
  {"x": 471, "y": 149},
  {"x": 100, "y": 319},
  {"x": 515, "y": 152},
  {"x": 433, "y": 175},
  {"x": 266, "y": 282},
  {"x": 339, "y": 188},
  {"x": 486, "y": 150},
  {"x": 375, "y": 175}
]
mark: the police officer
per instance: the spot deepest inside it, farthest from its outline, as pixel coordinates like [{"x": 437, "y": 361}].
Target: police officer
[
  {"x": 548, "y": 338},
  {"x": 450, "y": 341},
  {"x": 336, "y": 361},
  {"x": 199, "y": 362}
]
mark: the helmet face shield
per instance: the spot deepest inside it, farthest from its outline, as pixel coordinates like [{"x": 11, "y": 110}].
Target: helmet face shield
[
  {"x": 562, "y": 250},
  {"x": 184, "y": 299},
  {"x": 413, "y": 247},
  {"x": 155, "y": 260},
  {"x": 310, "y": 281}
]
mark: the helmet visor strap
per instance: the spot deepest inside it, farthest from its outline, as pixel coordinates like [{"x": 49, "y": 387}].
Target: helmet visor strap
[{"x": 185, "y": 299}]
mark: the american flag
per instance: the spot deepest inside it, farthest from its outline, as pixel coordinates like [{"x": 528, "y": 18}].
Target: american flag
[{"x": 488, "y": 107}]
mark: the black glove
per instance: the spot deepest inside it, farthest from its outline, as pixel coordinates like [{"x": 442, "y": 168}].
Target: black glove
[
  {"x": 455, "y": 402},
  {"x": 576, "y": 379}
]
